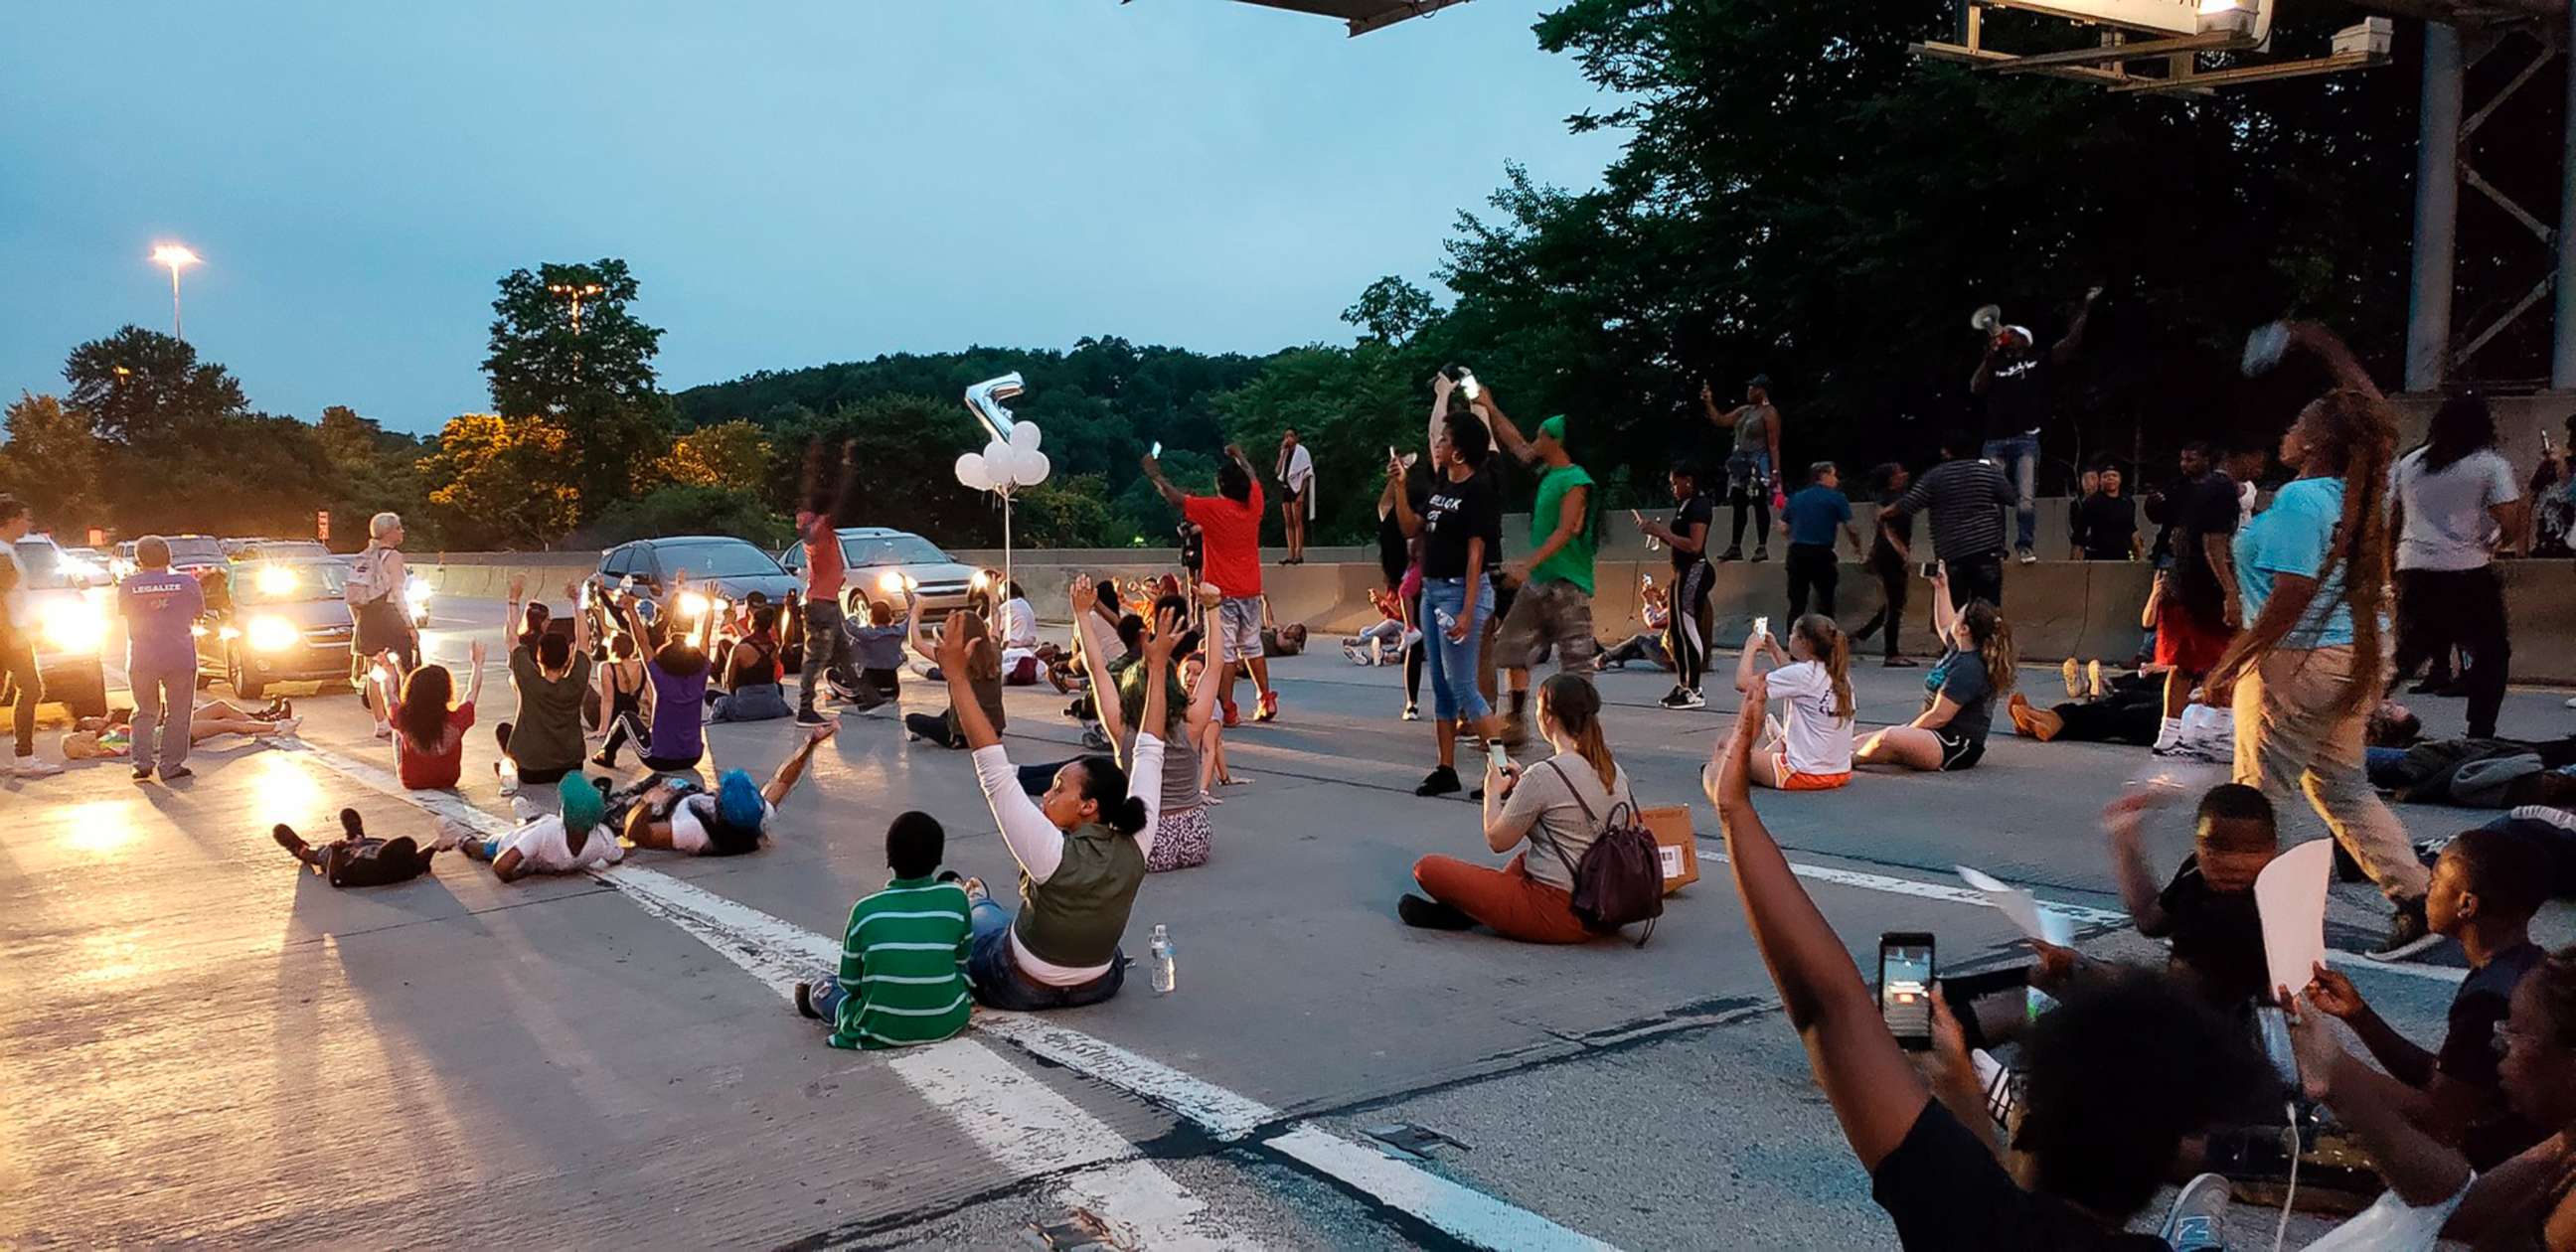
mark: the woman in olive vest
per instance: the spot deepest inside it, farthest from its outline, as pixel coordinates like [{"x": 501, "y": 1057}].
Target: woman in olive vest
[{"x": 1082, "y": 848}]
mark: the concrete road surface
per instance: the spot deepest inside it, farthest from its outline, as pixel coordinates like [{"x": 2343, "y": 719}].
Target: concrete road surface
[{"x": 205, "y": 1045}]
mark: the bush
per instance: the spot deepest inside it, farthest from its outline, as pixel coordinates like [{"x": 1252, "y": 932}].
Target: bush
[{"x": 688, "y": 510}]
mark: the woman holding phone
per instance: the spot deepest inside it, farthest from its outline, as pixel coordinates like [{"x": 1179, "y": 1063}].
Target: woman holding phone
[
  {"x": 1460, "y": 523},
  {"x": 1959, "y": 692}
]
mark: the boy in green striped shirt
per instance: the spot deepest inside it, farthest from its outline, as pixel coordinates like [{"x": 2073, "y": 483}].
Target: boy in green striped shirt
[{"x": 903, "y": 961}]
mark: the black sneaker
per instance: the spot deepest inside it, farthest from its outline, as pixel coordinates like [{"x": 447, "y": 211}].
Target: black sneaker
[
  {"x": 805, "y": 1001},
  {"x": 2408, "y": 933},
  {"x": 1440, "y": 782},
  {"x": 1761, "y": 554},
  {"x": 1431, "y": 914},
  {"x": 810, "y": 718},
  {"x": 1731, "y": 554},
  {"x": 174, "y": 775}
]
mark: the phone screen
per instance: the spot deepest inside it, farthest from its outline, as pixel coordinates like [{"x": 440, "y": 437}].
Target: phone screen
[
  {"x": 1931, "y": 569},
  {"x": 1158, "y": 450},
  {"x": 1905, "y": 988},
  {"x": 1496, "y": 753},
  {"x": 1761, "y": 626}
]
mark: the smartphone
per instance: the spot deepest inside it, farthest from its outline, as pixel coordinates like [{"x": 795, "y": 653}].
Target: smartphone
[
  {"x": 1157, "y": 452},
  {"x": 1905, "y": 987},
  {"x": 1761, "y": 627},
  {"x": 1496, "y": 755},
  {"x": 1931, "y": 570},
  {"x": 1467, "y": 383}
]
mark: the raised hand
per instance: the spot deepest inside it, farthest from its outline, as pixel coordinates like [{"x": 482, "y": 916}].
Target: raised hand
[
  {"x": 952, "y": 649},
  {"x": 1085, "y": 595}
]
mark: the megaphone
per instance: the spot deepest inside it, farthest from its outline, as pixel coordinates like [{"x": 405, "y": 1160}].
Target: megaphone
[{"x": 1987, "y": 319}]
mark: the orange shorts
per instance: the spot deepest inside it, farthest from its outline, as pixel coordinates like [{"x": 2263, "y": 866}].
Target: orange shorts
[{"x": 1804, "y": 782}]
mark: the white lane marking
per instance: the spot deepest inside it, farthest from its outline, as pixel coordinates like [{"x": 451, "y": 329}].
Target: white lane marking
[
  {"x": 2084, "y": 915},
  {"x": 1022, "y": 1124},
  {"x": 1461, "y": 1212},
  {"x": 1031, "y": 1129}
]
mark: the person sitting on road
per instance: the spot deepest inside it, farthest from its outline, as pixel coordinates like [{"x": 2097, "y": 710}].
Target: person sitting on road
[
  {"x": 2434, "y": 1192},
  {"x": 1813, "y": 750},
  {"x": 1017, "y": 625},
  {"x": 356, "y": 859},
  {"x": 551, "y": 673},
  {"x": 429, "y": 733},
  {"x": 2115, "y": 1078},
  {"x": 575, "y": 839},
  {"x": 1183, "y": 837},
  {"x": 753, "y": 690},
  {"x": 1558, "y": 805},
  {"x": 621, "y": 688},
  {"x": 983, "y": 677},
  {"x": 1384, "y": 642},
  {"x": 2486, "y": 886},
  {"x": 1959, "y": 704},
  {"x": 877, "y": 650},
  {"x": 2130, "y": 710},
  {"x": 1082, "y": 847},
  {"x": 902, "y": 979},
  {"x": 1654, "y": 610},
  {"x": 678, "y": 814},
  {"x": 677, "y": 678}
]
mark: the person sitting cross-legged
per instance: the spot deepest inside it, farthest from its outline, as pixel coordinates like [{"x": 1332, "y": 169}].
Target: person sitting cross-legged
[{"x": 902, "y": 979}]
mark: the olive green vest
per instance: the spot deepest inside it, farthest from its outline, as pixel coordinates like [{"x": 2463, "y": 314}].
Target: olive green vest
[{"x": 1075, "y": 917}]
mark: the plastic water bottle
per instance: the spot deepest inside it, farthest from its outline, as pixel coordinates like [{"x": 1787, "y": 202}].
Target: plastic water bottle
[
  {"x": 1166, "y": 974},
  {"x": 1446, "y": 620}
]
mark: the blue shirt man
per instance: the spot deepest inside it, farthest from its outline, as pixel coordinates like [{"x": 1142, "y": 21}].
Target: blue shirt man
[{"x": 1811, "y": 517}]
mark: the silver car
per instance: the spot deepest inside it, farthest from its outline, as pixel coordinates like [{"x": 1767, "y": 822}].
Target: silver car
[{"x": 882, "y": 563}]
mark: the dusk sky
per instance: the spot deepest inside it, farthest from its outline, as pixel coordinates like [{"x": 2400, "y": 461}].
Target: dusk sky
[{"x": 792, "y": 183}]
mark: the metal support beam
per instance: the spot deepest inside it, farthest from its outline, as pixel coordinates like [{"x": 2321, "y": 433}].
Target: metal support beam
[
  {"x": 2138, "y": 50},
  {"x": 2437, "y": 211},
  {"x": 2562, "y": 346}
]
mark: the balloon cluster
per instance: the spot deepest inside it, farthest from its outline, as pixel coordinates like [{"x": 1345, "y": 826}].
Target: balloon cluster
[{"x": 1006, "y": 465}]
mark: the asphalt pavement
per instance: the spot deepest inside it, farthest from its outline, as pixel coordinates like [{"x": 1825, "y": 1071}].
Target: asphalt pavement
[{"x": 207, "y": 1045}]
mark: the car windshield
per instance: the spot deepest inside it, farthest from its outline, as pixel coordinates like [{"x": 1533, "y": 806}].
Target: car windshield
[
  {"x": 198, "y": 551},
  {"x": 892, "y": 550},
  {"x": 734, "y": 559},
  {"x": 44, "y": 564},
  {"x": 289, "y": 582}
]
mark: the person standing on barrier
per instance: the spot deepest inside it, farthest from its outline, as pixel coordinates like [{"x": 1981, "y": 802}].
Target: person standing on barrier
[
  {"x": 1553, "y": 610},
  {"x": 1967, "y": 497},
  {"x": 1749, "y": 468},
  {"x": 2457, "y": 503},
  {"x": 2312, "y": 572},
  {"x": 2014, "y": 378}
]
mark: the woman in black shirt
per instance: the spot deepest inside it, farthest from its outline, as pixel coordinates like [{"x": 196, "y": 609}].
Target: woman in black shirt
[
  {"x": 1890, "y": 551},
  {"x": 1460, "y": 523},
  {"x": 1689, "y": 626}
]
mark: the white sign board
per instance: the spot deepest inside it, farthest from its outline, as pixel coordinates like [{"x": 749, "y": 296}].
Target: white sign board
[{"x": 2167, "y": 17}]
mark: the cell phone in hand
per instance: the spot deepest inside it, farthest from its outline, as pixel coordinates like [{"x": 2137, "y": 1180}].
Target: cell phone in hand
[
  {"x": 1905, "y": 972},
  {"x": 1497, "y": 756},
  {"x": 1931, "y": 570},
  {"x": 1156, "y": 451},
  {"x": 1761, "y": 627}
]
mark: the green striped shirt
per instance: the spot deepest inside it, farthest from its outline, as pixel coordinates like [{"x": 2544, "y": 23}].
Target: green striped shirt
[{"x": 903, "y": 964}]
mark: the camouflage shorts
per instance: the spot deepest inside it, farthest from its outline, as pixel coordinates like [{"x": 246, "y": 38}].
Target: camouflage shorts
[{"x": 1547, "y": 614}]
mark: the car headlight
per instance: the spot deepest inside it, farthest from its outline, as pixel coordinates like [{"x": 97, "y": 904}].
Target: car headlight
[
  {"x": 416, "y": 593},
  {"x": 273, "y": 634},
  {"x": 693, "y": 604},
  {"x": 896, "y": 582},
  {"x": 75, "y": 626}
]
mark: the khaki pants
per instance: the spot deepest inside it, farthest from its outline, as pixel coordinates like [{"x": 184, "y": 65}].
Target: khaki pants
[{"x": 2285, "y": 735}]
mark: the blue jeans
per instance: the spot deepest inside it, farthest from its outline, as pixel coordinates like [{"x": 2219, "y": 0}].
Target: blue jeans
[
  {"x": 998, "y": 982},
  {"x": 1452, "y": 665},
  {"x": 827, "y": 995},
  {"x": 2018, "y": 455}
]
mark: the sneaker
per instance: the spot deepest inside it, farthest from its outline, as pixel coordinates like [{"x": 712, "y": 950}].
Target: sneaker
[
  {"x": 509, "y": 781},
  {"x": 142, "y": 773},
  {"x": 2093, "y": 680},
  {"x": 1268, "y": 710},
  {"x": 2408, "y": 933},
  {"x": 384, "y": 730},
  {"x": 1093, "y": 739},
  {"x": 2571, "y": 703},
  {"x": 603, "y": 760},
  {"x": 1431, "y": 914},
  {"x": 1761, "y": 554},
  {"x": 1233, "y": 715},
  {"x": 809, "y": 718},
  {"x": 2197, "y": 1222},
  {"x": 1442, "y": 781},
  {"x": 1684, "y": 698},
  {"x": 1731, "y": 554},
  {"x": 2074, "y": 676},
  {"x": 1412, "y": 712},
  {"x": 525, "y": 809},
  {"x": 2029, "y": 557},
  {"x": 167, "y": 775},
  {"x": 805, "y": 1008},
  {"x": 1353, "y": 653}
]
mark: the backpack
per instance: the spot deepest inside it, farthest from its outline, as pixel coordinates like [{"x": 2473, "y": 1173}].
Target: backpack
[{"x": 1620, "y": 880}]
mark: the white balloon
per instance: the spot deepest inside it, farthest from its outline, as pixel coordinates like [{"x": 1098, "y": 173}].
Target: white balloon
[
  {"x": 1024, "y": 437},
  {"x": 971, "y": 472},
  {"x": 1030, "y": 468}
]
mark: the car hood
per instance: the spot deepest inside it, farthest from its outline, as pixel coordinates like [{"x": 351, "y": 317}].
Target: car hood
[
  {"x": 304, "y": 614},
  {"x": 774, "y": 586},
  {"x": 932, "y": 575}
]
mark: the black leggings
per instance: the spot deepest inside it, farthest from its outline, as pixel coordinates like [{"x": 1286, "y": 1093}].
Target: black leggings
[
  {"x": 2440, "y": 609},
  {"x": 941, "y": 730},
  {"x": 1687, "y": 634},
  {"x": 1413, "y": 671},
  {"x": 1756, "y": 497},
  {"x": 2115, "y": 719},
  {"x": 1892, "y": 584}
]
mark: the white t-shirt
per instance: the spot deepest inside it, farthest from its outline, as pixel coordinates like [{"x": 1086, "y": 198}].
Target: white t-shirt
[
  {"x": 1815, "y": 740},
  {"x": 692, "y": 815},
  {"x": 543, "y": 847},
  {"x": 2447, "y": 523},
  {"x": 1019, "y": 624}
]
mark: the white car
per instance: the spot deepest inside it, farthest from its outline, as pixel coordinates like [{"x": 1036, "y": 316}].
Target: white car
[{"x": 69, "y": 608}]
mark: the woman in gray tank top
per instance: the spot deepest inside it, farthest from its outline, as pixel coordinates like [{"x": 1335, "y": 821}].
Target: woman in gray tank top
[{"x": 1183, "y": 836}]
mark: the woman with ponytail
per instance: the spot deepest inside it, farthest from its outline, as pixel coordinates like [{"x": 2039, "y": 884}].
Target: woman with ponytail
[
  {"x": 1812, "y": 750},
  {"x": 2312, "y": 572},
  {"x": 1959, "y": 692},
  {"x": 1082, "y": 846},
  {"x": 1558, "y": 805}
]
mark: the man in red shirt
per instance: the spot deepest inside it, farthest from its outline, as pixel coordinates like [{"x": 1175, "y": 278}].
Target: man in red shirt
[
  {"x": 1230, "y": 521},
  {"x": 827, "y": 647}
]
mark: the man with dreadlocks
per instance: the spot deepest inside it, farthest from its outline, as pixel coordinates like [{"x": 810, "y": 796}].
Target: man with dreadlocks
[{"x": 2312, "y": 573}]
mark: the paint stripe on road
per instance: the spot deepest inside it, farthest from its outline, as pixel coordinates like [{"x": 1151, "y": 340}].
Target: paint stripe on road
[{"x": 779, "y": 953}]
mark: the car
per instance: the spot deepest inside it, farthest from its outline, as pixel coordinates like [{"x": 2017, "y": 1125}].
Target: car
[
  {"x": 189, "y": 554},
  {"x": 245, "y": 551},
  {"x": 70, "y": 610},
  {"x": 718, "y": 565},
  {"x": 89, "y": 563},
  {"x": 883, "y": 562},
  {"x": 277, "y": 621}
]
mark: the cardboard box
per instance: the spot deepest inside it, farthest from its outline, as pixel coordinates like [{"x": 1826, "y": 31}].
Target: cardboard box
[{"x": 1676, "y": 843}]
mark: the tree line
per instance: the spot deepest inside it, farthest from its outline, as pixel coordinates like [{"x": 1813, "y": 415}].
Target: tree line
[{"x": 1797, "y": 196}]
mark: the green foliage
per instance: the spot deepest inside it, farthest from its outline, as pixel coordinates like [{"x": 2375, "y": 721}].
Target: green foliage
[
  {"x": 373, "y": 470},
  {"x": 51, "y": 461},
  {"x": 503, "y": 482},
  {"x": 1348, "y": 405},
  {"x": 596, "y": 384},
  {"x": 733, "y": 455},
  {"x": 1390, "y": 310},
  {"x": 147, "y": 390},
  {"x": 692, "y": 509}
]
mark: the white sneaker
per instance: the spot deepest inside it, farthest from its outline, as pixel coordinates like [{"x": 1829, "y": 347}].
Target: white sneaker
[
  {"x": 509, "y": 781},
  {"x": 525, "y": 809},
  {"x": 33, "y": 767},
  {"x": 1413, "y": 712}
]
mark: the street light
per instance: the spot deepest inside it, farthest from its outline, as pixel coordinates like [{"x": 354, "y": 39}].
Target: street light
[
  {"x": 578, "y": 294},
  {"x": 174, "y": 256}
]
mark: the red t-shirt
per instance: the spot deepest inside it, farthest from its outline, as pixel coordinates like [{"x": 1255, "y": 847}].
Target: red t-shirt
[
  {"x": 427, "y": 770},
  {"x": 1233, "y": 541},
  {"x": 824, "y": 568}
]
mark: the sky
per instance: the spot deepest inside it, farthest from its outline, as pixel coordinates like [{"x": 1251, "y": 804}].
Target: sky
[{"x": 792, "y": 183}]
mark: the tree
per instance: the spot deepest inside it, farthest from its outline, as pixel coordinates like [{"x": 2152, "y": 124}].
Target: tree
[
  {"x": 146, "y": 389},
  {"x": 731, "y": 454},
  {"x": 1390, "y": 310},
  {"x": 372, "y": 470},
  {"x": 503, "y": 482},
  {"x": 596, "y": 383},
  {"x": 51, "y": 461},
  {"x": 691, "y": 509}
]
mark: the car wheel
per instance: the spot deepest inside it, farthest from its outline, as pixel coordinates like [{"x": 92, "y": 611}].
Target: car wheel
[{"x": 244, "y": 685}]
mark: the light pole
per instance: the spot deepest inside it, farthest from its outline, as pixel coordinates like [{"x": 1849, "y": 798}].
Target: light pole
[
  {"x": 174, "y": 256},
  {"x": 577, "y": 294}
]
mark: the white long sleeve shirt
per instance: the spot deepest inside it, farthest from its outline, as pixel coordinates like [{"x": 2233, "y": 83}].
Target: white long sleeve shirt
[{"x": 1039, "y": 847}]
